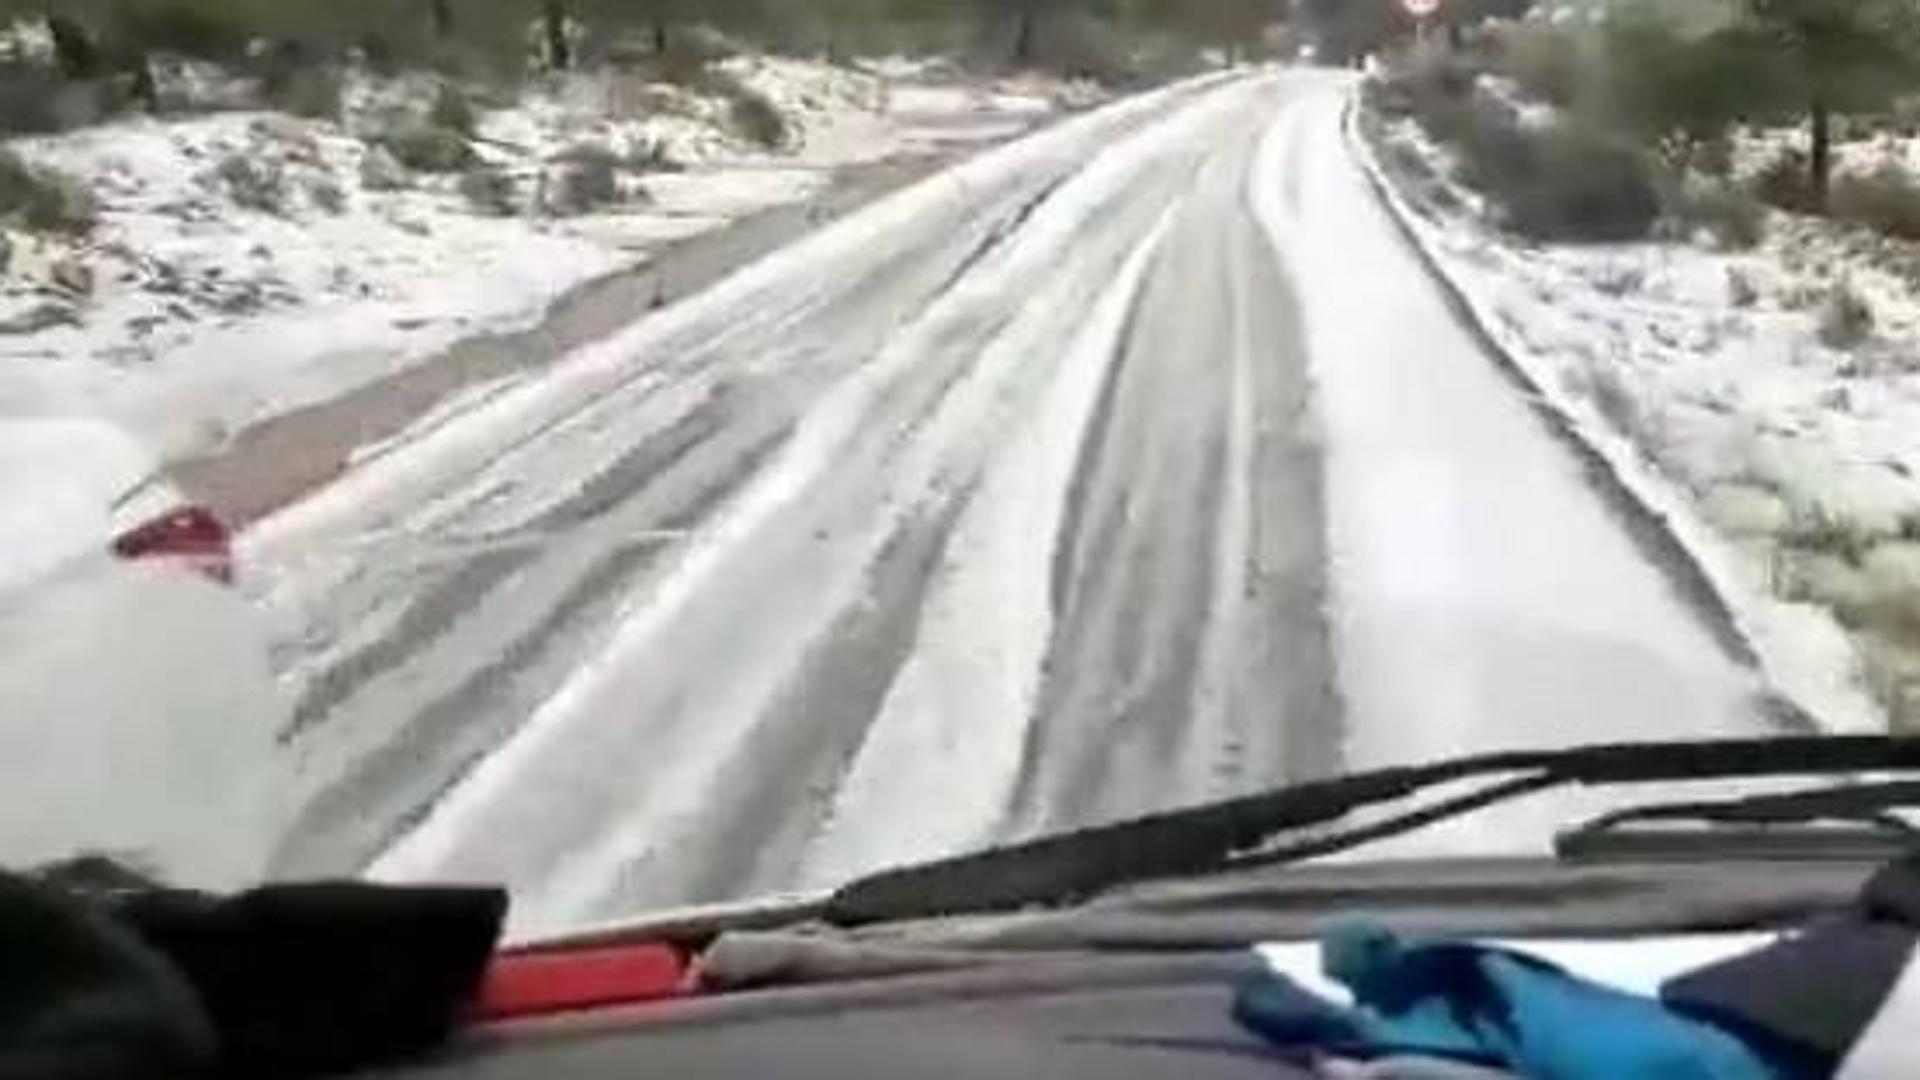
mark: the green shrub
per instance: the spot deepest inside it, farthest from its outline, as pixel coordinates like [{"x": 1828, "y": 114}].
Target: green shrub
[
  {"x": 1569, "y": 181},
  {"x": 42, "y": 199},
  {"x": 1392, "y": 97},
  {"x": 453, "y": 110},
  {"x": 205, "y": 29},
  {"x": 35, "y": 100},
  {"x": 1081, "y": 46},
  {"x": 1495, "y": 154},
  {"x": 1680, "y": 85},
  {"x": 1564, "y": 183},
  {"x": 1886, "y": 200},
  {"x": 488, "y": 190},
  {"x": 430, "y": 149},
  {"x": 1544, "y": 60}
]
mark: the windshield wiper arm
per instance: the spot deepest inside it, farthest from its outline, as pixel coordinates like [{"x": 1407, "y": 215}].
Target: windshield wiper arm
[{"x": 1059, "y": 869}]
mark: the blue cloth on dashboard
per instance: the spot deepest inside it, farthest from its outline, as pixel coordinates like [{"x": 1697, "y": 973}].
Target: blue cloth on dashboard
[{"x": 1495, "y": 1007}]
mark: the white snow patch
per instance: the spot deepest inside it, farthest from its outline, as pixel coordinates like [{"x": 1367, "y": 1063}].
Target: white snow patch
[
  {"x": 169, "y": 760},
  {"x": 60, "y": 480}
]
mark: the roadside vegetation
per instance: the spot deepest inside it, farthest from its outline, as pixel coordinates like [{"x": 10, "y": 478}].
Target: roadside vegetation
[
  {"x": 1577, "y": 130},
  {"x": 99, "y": 58},
  {"x": 77, "y": 63}
]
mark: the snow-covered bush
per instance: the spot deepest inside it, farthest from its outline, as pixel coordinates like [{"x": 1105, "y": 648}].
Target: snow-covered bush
[
  {"x": 34, "y": 100},
  {"x": 1083, "y": 46},
  {"x": 381, "y": 171},
  {"x": 1580, "y": 186},
  {"x": 589, "y": 179},
  {"x": 756, "y": 118},
  {"x": 1741, "y": 291},
  {"x": 651, "y": 155},
  {"x": 1545, "y": 60},
  {"x": 1565, "y": 180},
  {"x": 43, "y": 199},
  {"x": 1565, "y": 183},
  {"x": 1784, "y": 182},
  {"x": 205, "y": 29},
  {"x": 253, "y": 182},
  {"x": 751, "y": 113},
  {"x": 488, "y": 190},
  {"x": 430, "y": 149},
  {"x": 328, "y": 195},
  {"x": 1846, "y": 320},
  {"x": 1732, "y": 217},
  {"x": 453, "y": 110},
  {"x": 1886, "y": 200},
  {"x": 315, "y": 91}
]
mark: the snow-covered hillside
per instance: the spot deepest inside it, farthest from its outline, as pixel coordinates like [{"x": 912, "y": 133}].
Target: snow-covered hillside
[{"x": 245, "y": 263}]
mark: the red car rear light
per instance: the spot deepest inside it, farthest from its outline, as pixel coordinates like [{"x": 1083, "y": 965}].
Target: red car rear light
[{"x": 192, "y": 535}]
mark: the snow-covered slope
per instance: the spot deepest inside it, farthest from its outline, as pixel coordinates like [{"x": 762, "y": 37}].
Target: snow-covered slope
[{"x": 247, "y": 263}]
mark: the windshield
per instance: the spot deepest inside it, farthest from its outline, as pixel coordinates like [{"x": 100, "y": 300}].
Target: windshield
[{"x": 654, "y": 453}]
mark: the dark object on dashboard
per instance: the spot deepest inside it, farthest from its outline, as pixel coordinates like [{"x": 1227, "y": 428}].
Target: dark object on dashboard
[
  {"x": 84, "y": 997},
  {"x": 303, "y": 979},
  {"x": 283, "y": 981},
  {"x": 1820, "y": 989}
]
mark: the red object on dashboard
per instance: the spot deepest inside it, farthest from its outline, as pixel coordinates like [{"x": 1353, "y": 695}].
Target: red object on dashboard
[
  {"x": 524, "y": 985},
  {"x": 191, "y": 534}
]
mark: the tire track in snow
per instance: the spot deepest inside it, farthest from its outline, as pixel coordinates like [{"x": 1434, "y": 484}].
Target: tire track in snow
[
  {"x": 763, "y": 605},
  {"x": 387, "y": 790},
  {"x": 1189, "y": 659},
  {"x": 380, "y": 789},
  {"x": 433, "y": 610}
]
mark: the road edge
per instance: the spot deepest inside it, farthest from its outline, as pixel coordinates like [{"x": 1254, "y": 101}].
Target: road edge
[{"x": 1703, "y": 568}]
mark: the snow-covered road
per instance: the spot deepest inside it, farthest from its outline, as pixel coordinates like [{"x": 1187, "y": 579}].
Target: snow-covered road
[{"x": 1130, "y": 465}]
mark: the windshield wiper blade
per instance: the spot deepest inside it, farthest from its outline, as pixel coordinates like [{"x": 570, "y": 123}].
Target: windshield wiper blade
[
  {"x": 1060, "y": 869},
  {"x": 1753, "y": 821}
]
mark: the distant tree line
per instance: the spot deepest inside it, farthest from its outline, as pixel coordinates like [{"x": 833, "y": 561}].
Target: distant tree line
[{"x": 96, "y": 37}]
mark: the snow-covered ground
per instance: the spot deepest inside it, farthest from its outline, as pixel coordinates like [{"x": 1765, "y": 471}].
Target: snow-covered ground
[
  {"x": 1790, "y": 465},
  {"x": 205, "y": 301}
]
